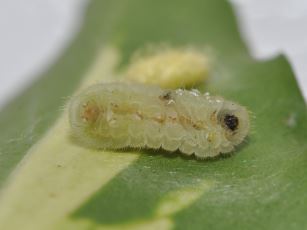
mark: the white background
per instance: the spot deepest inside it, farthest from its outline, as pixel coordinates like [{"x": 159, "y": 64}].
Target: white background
[{"x": 33, "y": 34}]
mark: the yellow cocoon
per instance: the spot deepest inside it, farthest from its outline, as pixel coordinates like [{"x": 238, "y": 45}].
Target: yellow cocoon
[{"x": 169, "y": 68}]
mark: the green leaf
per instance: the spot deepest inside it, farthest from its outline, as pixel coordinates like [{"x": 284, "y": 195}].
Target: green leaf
[{"x": 47, "y": 181}]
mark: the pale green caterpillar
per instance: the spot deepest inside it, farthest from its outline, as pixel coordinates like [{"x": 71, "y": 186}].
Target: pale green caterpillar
[{"x": 119, "y": 115}]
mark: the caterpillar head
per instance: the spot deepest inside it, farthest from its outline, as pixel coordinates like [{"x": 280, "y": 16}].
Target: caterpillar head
[{"x": 235, "y": 121}]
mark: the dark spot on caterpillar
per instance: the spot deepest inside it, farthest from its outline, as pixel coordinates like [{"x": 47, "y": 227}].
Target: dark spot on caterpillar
[
  {"x": 114, "y": 105},
  {"x": 231, "y": 121},
  {"x": 196, "y": 126},
  {"x": 166, "y": 96}
]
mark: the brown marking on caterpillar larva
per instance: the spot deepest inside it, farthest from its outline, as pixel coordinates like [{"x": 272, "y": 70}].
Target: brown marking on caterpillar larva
[
  {"x": 198, "y": 125},
  {"x": 210, "y": 137},
  {"x": 166, "y": 96},
  {"x": 90, "y": 112},
  {"x": 114, "y": 105},
  {"x": 173, "y": 119},
  {"x": 160, "y": 119},
  {"x": 187, "y": 121},
  {"x": 213, "y": 117},
  {"x": 182, "y": 120}
]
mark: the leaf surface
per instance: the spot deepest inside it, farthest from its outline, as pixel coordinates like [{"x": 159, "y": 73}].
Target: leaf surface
[{"x": 47, "y": 178}]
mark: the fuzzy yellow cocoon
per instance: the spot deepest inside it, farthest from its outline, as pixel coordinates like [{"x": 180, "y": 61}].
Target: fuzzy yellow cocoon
[{"x": 169, "y": 68}]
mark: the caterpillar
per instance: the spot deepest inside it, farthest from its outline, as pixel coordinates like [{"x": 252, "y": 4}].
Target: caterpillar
[
  {"x": 168, "y": 67},
  {"x": 119, "y": 115}
]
